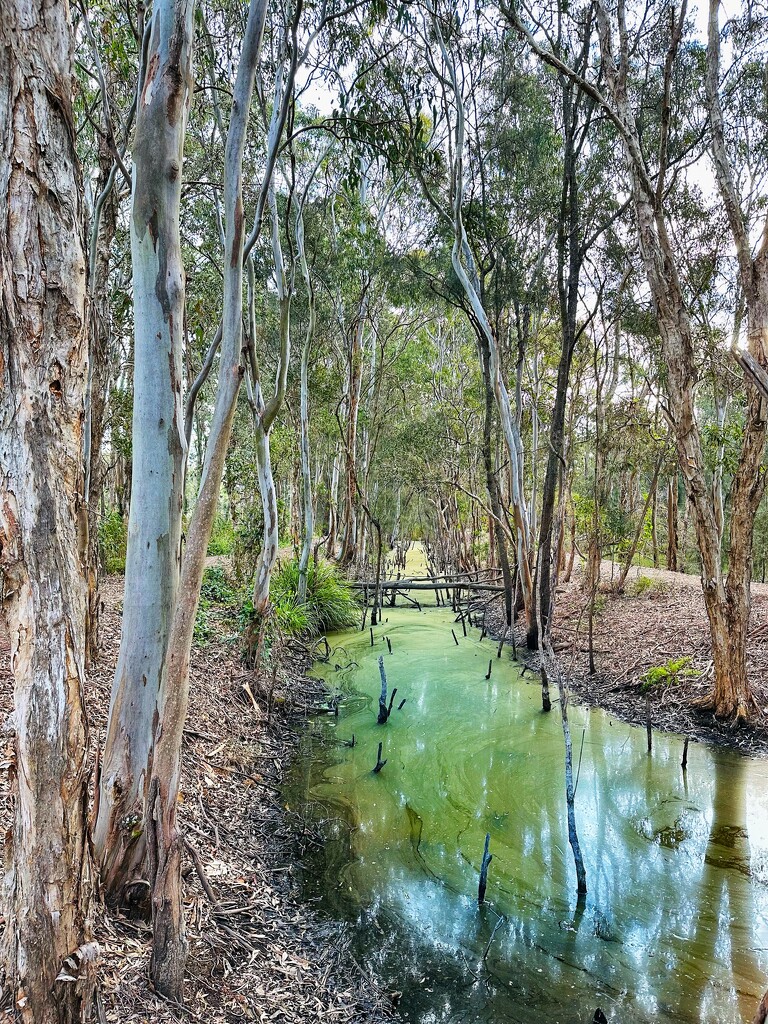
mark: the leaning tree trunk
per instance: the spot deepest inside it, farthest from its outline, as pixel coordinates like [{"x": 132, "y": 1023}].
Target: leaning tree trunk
[
  {"x": 43, "y": 362},
  {"x": 306, "y": 474},
  {"x": 164, "y": 840},
  {"x": 154, "y": 523}
]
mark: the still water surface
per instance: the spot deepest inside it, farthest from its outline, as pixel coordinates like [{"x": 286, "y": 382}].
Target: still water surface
[{"x": 675, "y": 926}]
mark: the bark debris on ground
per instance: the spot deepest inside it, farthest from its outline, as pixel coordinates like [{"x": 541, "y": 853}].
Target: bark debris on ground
[
  {"x": 256, "y": 952},
  {"x": 660, "y": 618}
]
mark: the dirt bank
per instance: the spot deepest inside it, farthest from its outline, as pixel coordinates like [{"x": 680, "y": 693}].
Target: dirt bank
[
  {"x": 659, "y": 619},
  {"x": 256, "y": 953}
]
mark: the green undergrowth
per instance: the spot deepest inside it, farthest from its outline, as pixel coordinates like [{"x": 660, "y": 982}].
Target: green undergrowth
[
  {"x": 219, "y": 609},
  {"x": 222, "y": 539},
  {"x": 647, "y": 586},
  {"x": 113, "y": 541},
  {"x": 669, "y": 674},
  {"x": 331, "y": 603},
  {"x": 226, "y": 609}
]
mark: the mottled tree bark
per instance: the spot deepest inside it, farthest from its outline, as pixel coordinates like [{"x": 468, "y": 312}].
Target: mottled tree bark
[
  {"x": 43, "y": 368},
  {"x": 154, "y": 523},
  {"x": 164, "y": 841}
]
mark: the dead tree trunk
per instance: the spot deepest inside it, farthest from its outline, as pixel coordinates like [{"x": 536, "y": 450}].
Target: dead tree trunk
[{"x": 43, "y": 367}]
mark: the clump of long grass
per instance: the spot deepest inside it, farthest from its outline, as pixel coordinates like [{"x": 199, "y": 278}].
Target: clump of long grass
[{"x": 331, "y": 603}]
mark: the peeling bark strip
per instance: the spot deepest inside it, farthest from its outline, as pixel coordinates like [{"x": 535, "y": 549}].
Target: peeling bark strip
[
  {"x": 154, "y": 525},
  {"x": 43, "y": 363}
]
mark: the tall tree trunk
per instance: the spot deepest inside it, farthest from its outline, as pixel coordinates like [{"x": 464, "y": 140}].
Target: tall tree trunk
[
  {"x": 619, "y": 585},
  {"x": 330, "y": 544},
  {"x": 100, "y": 372},
  {"x": 672, "y": 524},
  {"x": 355, "y": 378},
  {"x": 308, "y": 518},
  {"x": 154, "y": 522},
  {"x": 43, "y": 362},
  {"x": 494, "y": 495},
  {"x": 266, "y": 413},
  {"x": 163, "y": 838}
]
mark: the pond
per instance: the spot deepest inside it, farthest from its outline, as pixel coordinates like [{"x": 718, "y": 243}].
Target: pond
[{"x": 675, "y": 924}]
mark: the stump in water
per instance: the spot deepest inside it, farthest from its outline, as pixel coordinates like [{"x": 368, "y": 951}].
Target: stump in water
[
  {"x": 391, "y": 702},
  {"x": 490, "y": 666},
  {"x": 383, "y": 711},
  {"x": 371, "y": 636},
  {"x": 379, "y": 763},
  {"x": 487, "y": 858},
  {"x": 684, "y": 762},
  {"x": 648, "y": 721},
  {"x": 501, "y": 645},
  {"x": 400, "y": 705},
  {"x": 389, "y": 644},
  {"x": 463, "y": 622},
  {"x": 350, "y": 743},
  {"x": 453, "y": 634}
]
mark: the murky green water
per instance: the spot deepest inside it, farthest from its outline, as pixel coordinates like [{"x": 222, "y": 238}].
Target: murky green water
[{"x": 675, "y": 926}]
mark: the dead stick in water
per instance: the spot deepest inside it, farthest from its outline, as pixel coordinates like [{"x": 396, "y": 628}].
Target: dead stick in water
[
  {"x": 379, "y": 763},
  {"x": 371, "y": 636},
  {"x": 684, "y": 762},
  {"x": 389, "y": 644},
  {"x": 454, "y": 638},
  {"x": 391, "y": 702},
  {"x": 501, "y": 644},
  {"x": 383, "y": 713},
  {"x": 487, "y": 858},
  {"x": 493, "y": 935},
  {"x": 490, "y": 666},
  {"x": 400, "y": 705},
  {"x": 648, "y": 721}
]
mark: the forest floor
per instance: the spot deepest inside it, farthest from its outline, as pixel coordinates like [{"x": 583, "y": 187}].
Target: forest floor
[
  {"x": 660, "y": 618},
  {"x": 256, "y": 952}
]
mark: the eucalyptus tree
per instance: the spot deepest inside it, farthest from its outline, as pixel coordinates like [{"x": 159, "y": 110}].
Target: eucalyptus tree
[
  {"x": 108, "y": 83},
  {"x": 154, "y": 524},
  {"x": 44, "y": 365},
  {"x": 583, "y": 214},
  {"x": 455, "y": 80},
  {"x": 164, "y": 840},
  {"x": 655, "y": 39}
]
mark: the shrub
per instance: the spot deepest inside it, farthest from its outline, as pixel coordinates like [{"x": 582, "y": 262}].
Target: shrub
[
  {"x": 113, "y": 541},
  {"x": 218, "y": 600},
  {"x": 222, "y": 537},
  {"x": 669, "y": 674},
  {"x": 331, "y": 603},
  {"x": 642, "y": 584}
]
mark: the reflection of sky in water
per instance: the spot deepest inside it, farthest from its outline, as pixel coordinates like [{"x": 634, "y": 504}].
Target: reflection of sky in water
[{"x": 676, "y": 922}]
